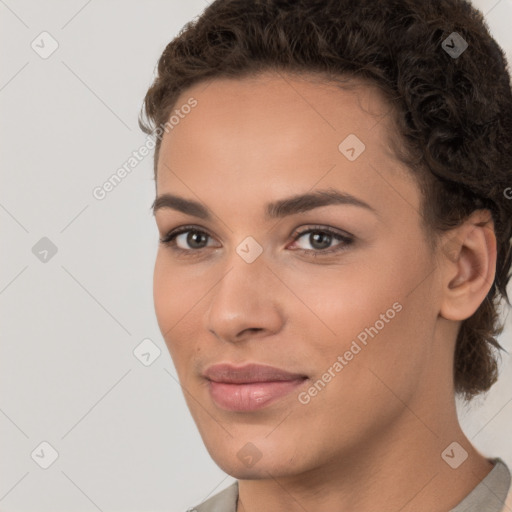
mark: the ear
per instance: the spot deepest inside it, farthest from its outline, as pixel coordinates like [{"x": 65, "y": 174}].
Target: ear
[{"x": 468, "y": 260}]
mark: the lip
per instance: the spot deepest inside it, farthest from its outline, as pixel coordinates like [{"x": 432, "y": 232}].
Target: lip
[
  {"x": 249, "y": 387},
  {"x": 248, "y": 373}
]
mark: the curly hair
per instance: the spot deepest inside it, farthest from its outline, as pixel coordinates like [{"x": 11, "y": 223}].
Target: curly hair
[{"x": 453, "y": 114}]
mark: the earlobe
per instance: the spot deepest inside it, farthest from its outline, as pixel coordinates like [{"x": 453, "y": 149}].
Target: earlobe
[{"x": 468, "y": 261}]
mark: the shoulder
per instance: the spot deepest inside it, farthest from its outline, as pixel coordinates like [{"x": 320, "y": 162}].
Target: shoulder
[
  {"x": 502, "y": 483},
  {"x": 492, "y": 494},
  {"x": 508, "y": 500},
  {"x": 223, "y": 501}
]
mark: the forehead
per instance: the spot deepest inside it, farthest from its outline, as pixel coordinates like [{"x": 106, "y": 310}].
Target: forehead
[
  {"x": 281, "y": 132},
  {"x": 271, "y": 100}
]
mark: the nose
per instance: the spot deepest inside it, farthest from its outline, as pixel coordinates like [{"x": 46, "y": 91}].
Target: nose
[{"x": 245, "y": 303}]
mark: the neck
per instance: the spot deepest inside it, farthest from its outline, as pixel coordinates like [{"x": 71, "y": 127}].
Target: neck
[{"x": 401, "y": 468}]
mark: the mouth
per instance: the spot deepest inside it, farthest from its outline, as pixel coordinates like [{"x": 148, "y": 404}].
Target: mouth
[{"x": 250, "y": 387}]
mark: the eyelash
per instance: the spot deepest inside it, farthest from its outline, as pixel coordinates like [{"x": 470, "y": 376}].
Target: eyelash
[{"x": 169, "y": 240}]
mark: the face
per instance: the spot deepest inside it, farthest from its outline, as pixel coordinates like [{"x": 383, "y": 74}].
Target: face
[{"x": 340, "y": 294}]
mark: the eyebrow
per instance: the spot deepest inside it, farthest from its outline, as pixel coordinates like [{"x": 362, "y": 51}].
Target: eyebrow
[{"x": 288, "y": 206}]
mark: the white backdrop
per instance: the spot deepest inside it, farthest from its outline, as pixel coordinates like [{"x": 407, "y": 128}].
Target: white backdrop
[{"x": 76, "y": 272}]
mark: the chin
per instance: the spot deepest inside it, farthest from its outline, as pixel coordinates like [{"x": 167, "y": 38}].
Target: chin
[
  {"x": 242, "y": 473},
  {"x": 259, "y": 471},
  {"x": 246, "y": 462}
]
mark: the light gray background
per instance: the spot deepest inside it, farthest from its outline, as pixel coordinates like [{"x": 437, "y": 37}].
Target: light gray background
[{"x": 124, "y": 436}]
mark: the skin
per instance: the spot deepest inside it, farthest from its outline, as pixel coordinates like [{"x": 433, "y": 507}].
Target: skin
[{"x": 372, "y": 438}]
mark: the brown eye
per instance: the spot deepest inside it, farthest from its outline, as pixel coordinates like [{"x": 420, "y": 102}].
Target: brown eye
[
  {"x": 321, "y": 238},
  {"x": 195, "y": 239},
  {"x": 186, "y": 239}
]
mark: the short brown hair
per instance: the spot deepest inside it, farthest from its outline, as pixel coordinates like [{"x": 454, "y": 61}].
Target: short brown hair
[{"x": 453, "y": 114}]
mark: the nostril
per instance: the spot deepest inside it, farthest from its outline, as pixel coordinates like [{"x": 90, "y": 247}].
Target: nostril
[{"x": 248, "y": 330}]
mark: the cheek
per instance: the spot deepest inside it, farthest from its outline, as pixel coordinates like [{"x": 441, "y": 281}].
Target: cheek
[
  {"x": 163, "y": 296},
  {"x": 174, "y": 298},
  {"x": 178, "y": 295},
  {"x": 175, "y": 291},
  {"x": 390, "y": 316},
  {"x": 377, "y": 302},
  {"x": 382, "y": 359},
  {"x": 343, "y": 300}
]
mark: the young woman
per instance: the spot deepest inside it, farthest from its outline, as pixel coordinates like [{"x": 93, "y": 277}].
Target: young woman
[{"x": 333, "y": 196}]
